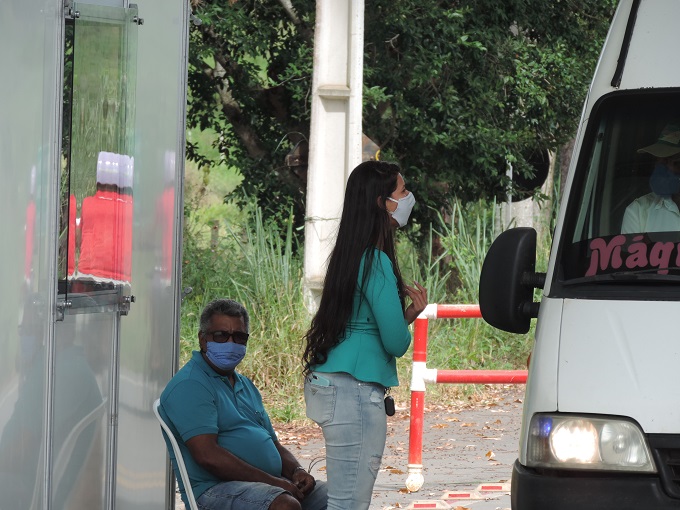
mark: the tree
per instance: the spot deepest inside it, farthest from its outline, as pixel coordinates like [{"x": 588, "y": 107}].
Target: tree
[
  {"x": 249, "y": 79},
  {"x": 452, "y": 89}
]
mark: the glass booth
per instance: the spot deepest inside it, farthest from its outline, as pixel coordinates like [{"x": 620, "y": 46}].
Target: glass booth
[{"x": 91, "y": 158}]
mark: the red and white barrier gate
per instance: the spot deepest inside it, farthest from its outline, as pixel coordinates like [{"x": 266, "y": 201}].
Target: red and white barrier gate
[{"x": 422, "y": 375}]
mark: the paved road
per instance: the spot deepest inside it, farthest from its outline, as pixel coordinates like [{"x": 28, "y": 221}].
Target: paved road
[{"x": 464, "y": 445}]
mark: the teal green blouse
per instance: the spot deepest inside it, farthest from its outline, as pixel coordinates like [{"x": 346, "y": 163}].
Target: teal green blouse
[{"x": 376, "y": 333}]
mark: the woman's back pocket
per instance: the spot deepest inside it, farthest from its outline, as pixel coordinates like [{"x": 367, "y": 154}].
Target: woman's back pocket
[{"x": 319, "y": 399}]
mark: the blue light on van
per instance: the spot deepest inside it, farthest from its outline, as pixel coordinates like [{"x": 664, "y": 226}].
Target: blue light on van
[{"x": 544, "y": 426}]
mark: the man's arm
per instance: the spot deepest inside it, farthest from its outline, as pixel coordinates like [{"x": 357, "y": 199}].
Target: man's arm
[
  {"x": 292, "y": 470},
  {"x": 228, "y": 467}
]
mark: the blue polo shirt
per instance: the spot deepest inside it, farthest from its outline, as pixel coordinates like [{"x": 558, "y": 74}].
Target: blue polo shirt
[{"x": 198, "y": 400}]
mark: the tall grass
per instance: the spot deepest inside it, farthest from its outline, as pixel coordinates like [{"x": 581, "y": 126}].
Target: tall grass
[
  {"x": 467, "y": 236},
  {"x": 270, "y": 284},
  {"x": 259, "y": 265},
  {"x": 463, "y": 237}
]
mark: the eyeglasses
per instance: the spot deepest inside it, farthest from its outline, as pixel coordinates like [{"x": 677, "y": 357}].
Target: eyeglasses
[{"x": 221, "y": 337}]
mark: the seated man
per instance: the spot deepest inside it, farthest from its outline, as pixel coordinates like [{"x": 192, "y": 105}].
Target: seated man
[
  {"x": 232, "y": 454},
  {"x": 658, "y": 211}
]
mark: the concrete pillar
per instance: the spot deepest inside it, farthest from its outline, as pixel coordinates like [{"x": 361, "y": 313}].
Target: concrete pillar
[{"x": 335, "y": 142}]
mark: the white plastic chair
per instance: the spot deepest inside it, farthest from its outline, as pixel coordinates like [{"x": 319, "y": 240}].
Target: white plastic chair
[{"x": 178, "y": 457}]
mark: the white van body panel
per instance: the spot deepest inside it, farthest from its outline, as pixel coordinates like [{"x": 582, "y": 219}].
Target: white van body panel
[
  {"x": 621, "y": 358},
  {"x": 656, "y": 23},
  {"x": 607, "y": 345},
  {"x": 541, "y": 389}
]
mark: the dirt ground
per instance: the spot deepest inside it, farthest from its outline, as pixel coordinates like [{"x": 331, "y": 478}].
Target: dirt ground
[{"x": 465, "y": 443}]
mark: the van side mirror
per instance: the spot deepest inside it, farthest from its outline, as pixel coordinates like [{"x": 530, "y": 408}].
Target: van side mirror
[{"x": 508, "y": 279}]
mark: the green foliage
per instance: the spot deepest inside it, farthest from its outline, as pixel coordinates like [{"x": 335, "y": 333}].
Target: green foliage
[
  {"x": 249, "y": 77},
  {"x": 469, "y": 85},
  {"x": 424, "y": 266},
  {"x": 258, "y": 264},
  {"x": 472, "y": 344},
  {"x": 467, "y": 236},
  {"x": 255, "y": 264},
  {"x": 452, "y": 90}
]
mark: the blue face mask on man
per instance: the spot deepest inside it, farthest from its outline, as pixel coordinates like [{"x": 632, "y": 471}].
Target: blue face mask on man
[
  {"x": 225, "y": 356},
  {"x": 663, "y": 181}
]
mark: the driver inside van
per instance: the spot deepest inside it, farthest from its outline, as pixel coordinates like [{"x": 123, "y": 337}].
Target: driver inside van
[{"x": 658, "y": 211}]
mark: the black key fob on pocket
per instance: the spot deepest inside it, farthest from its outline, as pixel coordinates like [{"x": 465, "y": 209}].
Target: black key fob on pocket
[{"x": 389, "y": 405}]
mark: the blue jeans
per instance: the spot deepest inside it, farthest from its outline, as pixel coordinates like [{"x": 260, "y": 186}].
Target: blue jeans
[
  {"x": 351, "y": 414},
  {"x": 254, "y": 496}
]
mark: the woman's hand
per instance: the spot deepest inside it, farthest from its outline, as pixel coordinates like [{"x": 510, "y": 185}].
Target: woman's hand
[{"x": 418, "y": 295}]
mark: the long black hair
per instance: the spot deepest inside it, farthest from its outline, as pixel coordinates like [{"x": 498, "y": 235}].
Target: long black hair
[{"x": 364, "y": 225}]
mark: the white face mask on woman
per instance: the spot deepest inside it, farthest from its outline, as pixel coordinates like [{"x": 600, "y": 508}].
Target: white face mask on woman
[{"x": 404, "y": 208}]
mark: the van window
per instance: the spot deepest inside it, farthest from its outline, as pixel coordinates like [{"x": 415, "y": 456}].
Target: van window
[{"x": 623, "y": 218}]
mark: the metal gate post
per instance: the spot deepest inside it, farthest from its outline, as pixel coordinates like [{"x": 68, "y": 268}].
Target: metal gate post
[{"x": 415, "y": 479}]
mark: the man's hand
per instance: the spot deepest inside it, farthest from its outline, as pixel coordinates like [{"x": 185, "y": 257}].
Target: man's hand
[
  {"x": 299, "y": 478},
  {"x": 228, "y": 467},
  {"x": 303, "y": 481},
  {"x": 290, "y": 486}
]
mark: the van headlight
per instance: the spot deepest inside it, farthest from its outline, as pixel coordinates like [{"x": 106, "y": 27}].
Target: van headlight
[{"x": 582, "y": 442}]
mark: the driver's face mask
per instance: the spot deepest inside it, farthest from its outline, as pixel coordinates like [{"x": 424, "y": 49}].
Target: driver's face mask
[{"x": 663, "y": 181}]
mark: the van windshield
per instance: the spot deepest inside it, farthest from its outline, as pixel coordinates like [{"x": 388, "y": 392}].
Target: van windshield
[{"x": 623, "y": 217}]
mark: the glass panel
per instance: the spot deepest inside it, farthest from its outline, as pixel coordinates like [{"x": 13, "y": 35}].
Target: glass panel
[
  {"x": 30, "y": 35},
  {"x": 623, "y": 221},
  {"x": 97, "y": 186},
  {"x": 22, "y": 403},
  {"x": 82, "y": 398},
  {"x": 149, "y": 337}
]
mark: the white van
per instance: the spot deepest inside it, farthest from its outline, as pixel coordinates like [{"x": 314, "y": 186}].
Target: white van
[{"x": 601, "y": 423}]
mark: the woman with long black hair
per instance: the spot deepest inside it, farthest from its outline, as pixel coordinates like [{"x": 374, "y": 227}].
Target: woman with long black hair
[{"x": 359, "y": 330}]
